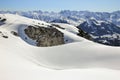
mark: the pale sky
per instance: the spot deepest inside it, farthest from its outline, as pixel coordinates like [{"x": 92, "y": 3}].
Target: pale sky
[{"x": 57, "y": 5}]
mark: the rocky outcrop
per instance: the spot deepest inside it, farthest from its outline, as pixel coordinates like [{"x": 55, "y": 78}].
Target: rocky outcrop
[
  {"x": 84, "y": 34},
  {"x": 14, "y": 33},
  {"x": 2, "y": 21},
  {"x": 45, "y": 36},
  {"x": 4, "y": 36},
  {"x": 58, "y": 26}
]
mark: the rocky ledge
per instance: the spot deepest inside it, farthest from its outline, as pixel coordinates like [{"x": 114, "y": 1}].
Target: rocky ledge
[{"x": 45, "y": 36}]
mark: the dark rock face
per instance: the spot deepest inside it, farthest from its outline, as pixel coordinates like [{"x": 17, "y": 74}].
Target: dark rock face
[
  {"x": 2, "y": 21},
  {"x": 84, "y": 34},
  {"x": 14, "y": 33},
  {"x": 58, "y": 26},
  {"x": 45, "y": 36},
  {"x": 4, "y": 36}
]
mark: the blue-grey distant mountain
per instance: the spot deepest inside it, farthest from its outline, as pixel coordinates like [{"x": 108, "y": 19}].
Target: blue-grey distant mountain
[
  {"x": 71, "y": 17},
  {"x": 102, "y": 31}
]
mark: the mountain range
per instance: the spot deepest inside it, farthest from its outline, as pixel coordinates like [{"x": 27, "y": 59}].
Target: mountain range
[{"x": 71, "y": 17}]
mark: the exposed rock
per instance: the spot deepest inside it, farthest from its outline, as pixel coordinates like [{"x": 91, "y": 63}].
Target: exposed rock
[
  {"x": 5, "y": 36},
  {"x": 45, "y": 36},
  {"x": 84, "y": 34},
  {"x": 3, "y": 20},
  {"x": 58, "y": 26},
  {"x": 14, "y": 33}
]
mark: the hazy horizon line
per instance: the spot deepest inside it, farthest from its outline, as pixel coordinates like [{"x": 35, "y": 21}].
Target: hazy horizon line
[{"x": 56, "y": 11}]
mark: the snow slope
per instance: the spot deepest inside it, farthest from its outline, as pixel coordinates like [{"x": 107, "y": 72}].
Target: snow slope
[{"x": 83, "y": 59}]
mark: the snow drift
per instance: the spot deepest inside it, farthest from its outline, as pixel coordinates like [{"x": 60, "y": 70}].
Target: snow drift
[
  {"x": 80, "y": 54},
  {"x": 16, "y": 55}
]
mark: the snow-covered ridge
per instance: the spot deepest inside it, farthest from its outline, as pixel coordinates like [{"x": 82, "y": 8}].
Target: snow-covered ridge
[
  {"x": 81, "y": 54},
  {"x": 18, "y": 24}
]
